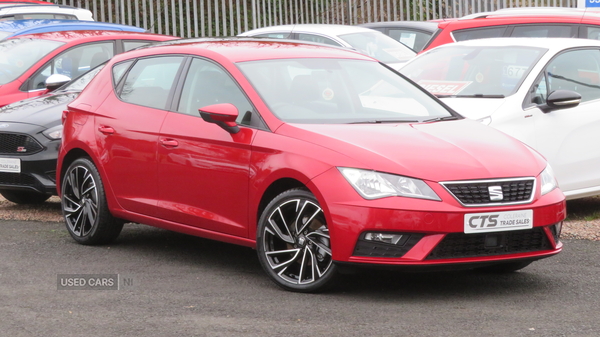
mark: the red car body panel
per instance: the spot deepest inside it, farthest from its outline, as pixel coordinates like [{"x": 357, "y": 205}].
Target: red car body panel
[
  {"x": 11, "y": 92},
  {"x": 212, "y": 183}
]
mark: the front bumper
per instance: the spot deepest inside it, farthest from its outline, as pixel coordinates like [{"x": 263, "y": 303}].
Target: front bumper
[
  {"x": 432, "y": 231},
  {"x": 38, "y": 170}
]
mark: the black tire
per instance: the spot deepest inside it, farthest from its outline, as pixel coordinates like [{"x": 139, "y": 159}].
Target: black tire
[
  {"x": 296, "y": 258},
  {"x": 84, "y": 205},
  {"x": 507, "y": 267},
  {"x": 24, "y": 197}
]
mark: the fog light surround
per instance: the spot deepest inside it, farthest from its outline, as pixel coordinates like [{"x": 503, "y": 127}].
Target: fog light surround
[{"x": 384, "y": 237}]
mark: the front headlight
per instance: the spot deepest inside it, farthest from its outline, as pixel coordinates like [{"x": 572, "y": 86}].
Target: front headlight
[
  {"x": 548, "y": 180},
  {"x": 375, "y": 185},
  {"x": 54, "y": 133}
]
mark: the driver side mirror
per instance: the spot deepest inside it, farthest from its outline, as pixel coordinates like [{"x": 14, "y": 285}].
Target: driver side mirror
[
  {"x": 56, "y": 81},
  {"x": 224, "y": 115},
  {"x": 561, "y": 99}
]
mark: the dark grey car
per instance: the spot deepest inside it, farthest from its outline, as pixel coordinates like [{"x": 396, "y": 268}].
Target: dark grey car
[{"x": 30, "y": 135}]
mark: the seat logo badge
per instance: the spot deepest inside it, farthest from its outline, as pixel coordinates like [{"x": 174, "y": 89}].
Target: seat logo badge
[{"x": 495, "y": 193}]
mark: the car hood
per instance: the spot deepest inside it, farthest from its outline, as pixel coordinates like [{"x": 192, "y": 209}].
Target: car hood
[
  {"x": 45, "y": 111},
  {"x": 474, "y": 108},
  {"x": 437, "y": 151}
]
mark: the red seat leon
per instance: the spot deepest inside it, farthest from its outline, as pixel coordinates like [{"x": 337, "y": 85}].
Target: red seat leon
[
  {"x": 317, "y": 157},
  {"x": 27, "y": 61}
]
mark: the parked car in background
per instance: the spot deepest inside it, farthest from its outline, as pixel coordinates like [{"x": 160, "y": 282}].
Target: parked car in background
[
  {"x": 414, "y": 34},
  {"x": 30, "y": 134},
  {"x": 544, "y": 92},
  {"x": 27, "y": 61},
  {"x": 316, "y": 156},
  {"x": 363, "y": 40},
  {"x": 10, "y": 11},
  {"x": 522, "y": 22},
  {"x": 11, "y": 28},
  {"x": 25, "y": 2}
]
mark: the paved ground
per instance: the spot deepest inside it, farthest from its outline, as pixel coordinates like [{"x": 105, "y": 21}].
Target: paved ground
[{"x": 179, "y": 285}]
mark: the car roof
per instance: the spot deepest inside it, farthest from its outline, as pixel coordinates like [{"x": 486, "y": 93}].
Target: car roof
[
  {"x": 422, "y": 25},
  {"x": 92, "y": 35},
  {"x": 16, "y": 25},
  {"x": 311, "y": 28},
  {"x": 552, "y": 44},
  {"x": 73, "y": 25},
  {"x": 24, "y": 9},
  {"x": 251, "y": 49},
  {"x": 527, "y": 11}
]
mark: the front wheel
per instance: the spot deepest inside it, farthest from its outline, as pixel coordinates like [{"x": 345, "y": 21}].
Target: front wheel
[
  {"x": 84, "y": 205},
  {"x": 293, "y": 243}
]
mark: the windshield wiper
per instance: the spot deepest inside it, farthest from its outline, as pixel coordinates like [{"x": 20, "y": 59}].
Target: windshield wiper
[
  {"x": 379, "y": 121},
  {"x": 483, "y": 95},
  {"x": 437, "y": 119},
  {"x": 473, "y": 95}
]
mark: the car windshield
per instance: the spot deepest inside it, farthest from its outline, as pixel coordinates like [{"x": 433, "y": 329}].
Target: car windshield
[
  {"x": 18, "y": 55},
  {"x": 473, "y": 71},
  {"x": 82, "y": 81},
  {"x": 379, "y": 46},
  {"x": 330, "y": 91}
]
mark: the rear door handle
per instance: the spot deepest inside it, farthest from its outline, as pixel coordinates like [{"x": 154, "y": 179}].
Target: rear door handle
[
  {"x": 107, "y": 130},
  {"x": 169, "y": 142}
]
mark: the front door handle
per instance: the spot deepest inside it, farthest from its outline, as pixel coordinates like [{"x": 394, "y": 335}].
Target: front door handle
[
  {"x": 107, "y": 130},
  {"x": 169, "y": 142}
]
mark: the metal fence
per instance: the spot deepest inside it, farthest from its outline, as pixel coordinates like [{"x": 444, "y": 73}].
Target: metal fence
[{"x": 195, "y": 18}]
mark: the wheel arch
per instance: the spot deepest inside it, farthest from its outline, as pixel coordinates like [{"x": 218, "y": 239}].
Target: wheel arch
[
  {"x": 275, "y": 188},
  {"x": 69, "y": 158}
]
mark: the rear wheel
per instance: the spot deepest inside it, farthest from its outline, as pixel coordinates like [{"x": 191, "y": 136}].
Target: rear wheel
[
  {"x": 293, "y": 243},
  {"x": 24, "y": 197},
  {"x": 84, "y": 205}
]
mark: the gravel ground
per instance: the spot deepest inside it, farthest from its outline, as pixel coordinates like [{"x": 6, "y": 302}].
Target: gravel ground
[{"x": 583, "y": 221}]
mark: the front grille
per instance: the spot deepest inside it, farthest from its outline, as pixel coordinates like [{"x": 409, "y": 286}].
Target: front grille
[
  {"x": 380, "y": 249},
  {"x": 21, "y": 144},
  {"x": 492, "y": 192},
  {"x": 459, "y": 245},
  {"x": 16, "y": 179}
]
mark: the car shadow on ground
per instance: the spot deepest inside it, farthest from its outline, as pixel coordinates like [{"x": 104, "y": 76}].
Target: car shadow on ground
[{"x": 160, "y": 245}]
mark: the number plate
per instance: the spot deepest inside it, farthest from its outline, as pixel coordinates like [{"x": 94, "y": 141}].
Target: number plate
[
  {"x": 498, "y": 221},
  {"x": 11, "y": 165}
]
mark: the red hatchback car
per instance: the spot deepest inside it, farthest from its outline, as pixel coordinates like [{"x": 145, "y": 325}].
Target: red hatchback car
[
  {"x": 27, "y": 61},
  {"x": 315, "y": 156},
  {"x": 519, "y": 22}
]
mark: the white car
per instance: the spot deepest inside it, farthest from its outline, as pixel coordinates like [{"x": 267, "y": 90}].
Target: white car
[
  {"x": 33, "y": 11},
  {"x": 363, "y": 40},
  {"x": 544, "y": 92}
]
